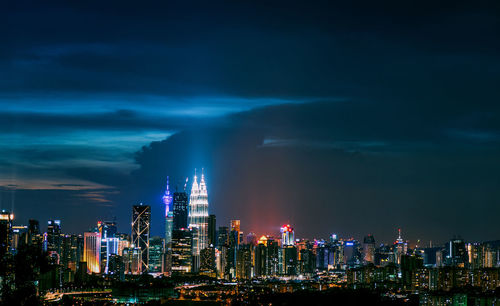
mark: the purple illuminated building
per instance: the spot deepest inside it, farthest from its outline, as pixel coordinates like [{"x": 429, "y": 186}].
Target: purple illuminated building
[{"x": 169, "y": 214}]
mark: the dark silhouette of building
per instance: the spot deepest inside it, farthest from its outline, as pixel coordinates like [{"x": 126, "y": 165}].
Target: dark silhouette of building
[
  {"x": 212, "y": 233},
  {"x": 223, "y": 236},
  {"x": 180, "y": 204},
  {"x": 5, "y": 232}
]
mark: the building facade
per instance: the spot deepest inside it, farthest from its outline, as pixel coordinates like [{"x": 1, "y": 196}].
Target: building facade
[{"x": 141, "y": 219}]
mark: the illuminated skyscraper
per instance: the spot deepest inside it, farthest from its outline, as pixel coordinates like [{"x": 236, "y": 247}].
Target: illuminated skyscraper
[
  {"x": 54, "y": 237},
  {"x": 287, "y": 236},
  {"x": 5, "y": 231},
  {"x": 369, "y": 249},
  {"x": 288, "y": 252},
  {"x": 19, "y": 236},
  {"x": 108, "y": 230},
  {"x": 132, "y": 260},
  {"x": 156, "y": 253},
  {"x": 198, "y": 215},
  {"x": 400, "y": 247},
  {"x": 181, "y": 251},
  {"x": 71, "y": 249},
  {"x": 123, "y": 243},
  {"x": 141, "y": 219},
  {"x": 207, "y": 261},
  {"x": 169, "y": 215},
  {"x": 235, "y": 231},
  {"x": 112, "y": 244},
  {"x": 244, "y": 262},
  {"x": 92, "y": 251}
]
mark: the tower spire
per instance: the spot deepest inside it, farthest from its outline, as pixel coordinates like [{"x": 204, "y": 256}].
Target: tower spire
[
  {"x": 195, "y": 188},
  {"x": 167, "y": 198}
]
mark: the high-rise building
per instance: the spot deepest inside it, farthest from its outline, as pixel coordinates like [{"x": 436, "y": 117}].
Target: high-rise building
[
  {"x": 307, "y": 261},
  {"x": 181, "y": 251},
  {"x": 198, "y": 217},
  {"x": 141, "y": 219},
  {"x": 288, "y": 260},
  {"x": 261, "y": 257},
  {"x": 123, "y": 242},
  {"x": 180, "y": 210},
  {"x": 369, "y": 249},
  {"x": 92, "y": 251},
  {"x": 223, "y": 236},
  {"x": 107, "y": 229},
  {"x": 156, "y": 253},
  {"x": 267, "y": 257},
  {"x": 53, "y": 246},
  {"x": 69, "y": 251},
  {"x": 112, "y": 246},
  {"x": 5, "y": 231},
  {"x": 207, "y": 261},
  {"x": 287, "y": 236},
  {"x": 235, "y": 230},
  {"x": 244, "y": 262},
  {"x": 132, "y": 258},
  {"x": 169, "y": 214},
  {"x": 34, "y": 232},
  {"x": 109, "y": 243},
  {"x": 457, "y": 253},
  {"x": 116, "y": 266},
  {"x": 212, "y": 232},
  {"x": 352, "y": 254},
  {"x": 19, "y": 236}
]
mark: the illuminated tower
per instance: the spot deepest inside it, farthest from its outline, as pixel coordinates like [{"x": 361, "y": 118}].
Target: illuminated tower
[
  {"x": 287, "y": 236},
  {"x": 198, "y": 215},
  {"x": 92, "y": 251},
  {"x": 169, "y": 215},
  {"x": 400, "y": 247},
  {"x": 141, "y": 218},
  {"x": 287, "y": 260}
]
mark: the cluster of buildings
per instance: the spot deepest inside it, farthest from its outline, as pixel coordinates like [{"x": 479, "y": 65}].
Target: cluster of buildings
[{"x": 192, "y": 244}]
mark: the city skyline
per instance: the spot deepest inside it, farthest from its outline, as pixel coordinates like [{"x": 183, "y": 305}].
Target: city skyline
[
  {"x": 167, "y": 200},
  {"x": 334, "y": 117}
]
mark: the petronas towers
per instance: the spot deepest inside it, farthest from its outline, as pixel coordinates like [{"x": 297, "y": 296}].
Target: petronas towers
[{"x": 198, "y": 215}]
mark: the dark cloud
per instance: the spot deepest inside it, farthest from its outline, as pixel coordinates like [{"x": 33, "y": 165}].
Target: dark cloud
[
  {"x": 280, "y": 49},
  {"x": 62, "y": 122},
  {"x": 421, "y": 181}
]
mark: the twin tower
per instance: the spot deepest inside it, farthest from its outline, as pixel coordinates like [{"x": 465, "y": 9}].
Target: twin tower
[{"x": 197, "y": 214}]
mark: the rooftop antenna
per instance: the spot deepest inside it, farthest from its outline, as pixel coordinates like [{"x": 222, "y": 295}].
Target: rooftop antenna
[{"x": 185, "y": 185}]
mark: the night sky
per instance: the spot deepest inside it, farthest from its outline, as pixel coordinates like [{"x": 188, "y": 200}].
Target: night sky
[{"x": 346, "y": 117}]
